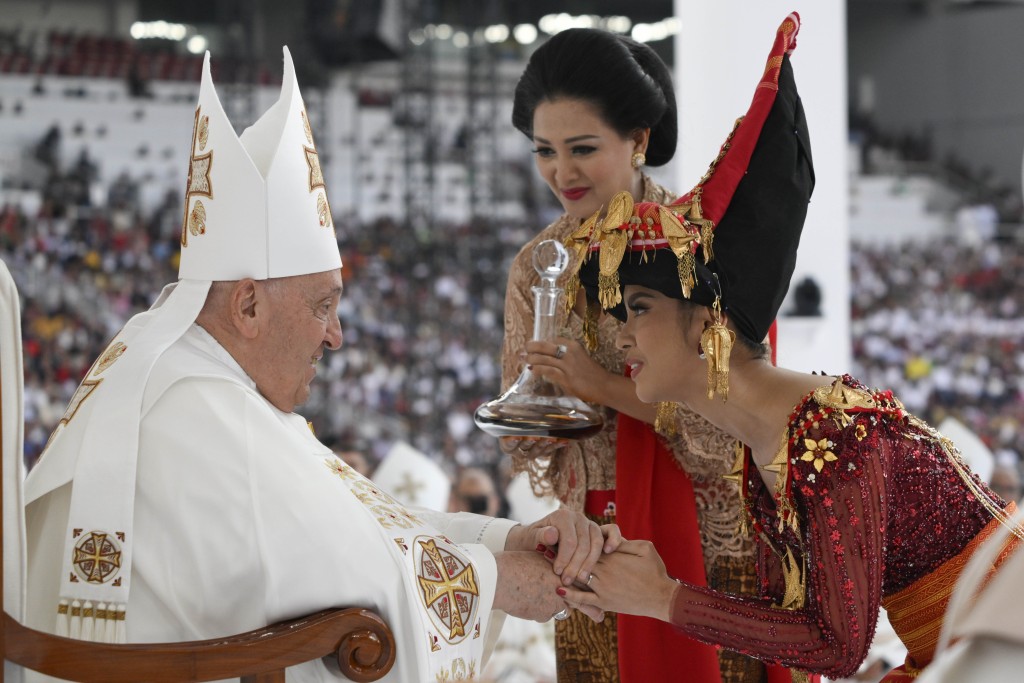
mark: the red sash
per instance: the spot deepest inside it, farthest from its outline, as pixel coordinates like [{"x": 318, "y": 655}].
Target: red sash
[{"x": 654, "y": 501}]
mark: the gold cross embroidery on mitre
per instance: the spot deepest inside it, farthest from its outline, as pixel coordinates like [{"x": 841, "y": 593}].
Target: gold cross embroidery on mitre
[
  {"x": 316, "y": 174},
  {"x": 447, "y": 586},
  {"x": 198, "y": 183}
]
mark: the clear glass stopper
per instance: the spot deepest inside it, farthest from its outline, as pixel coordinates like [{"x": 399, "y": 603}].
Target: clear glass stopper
[{"x": 533, "y": 406}]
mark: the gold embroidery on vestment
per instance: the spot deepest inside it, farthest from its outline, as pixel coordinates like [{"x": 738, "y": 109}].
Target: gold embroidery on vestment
[
  {"x": 340, "y": 468},
  {"x": 449, "y": 587},
  {"x": 83, "y": 392},
  {"x": 388, "y": 511},
  {"x": 97, "y": 557},
  {"x": 113, "y": 352},
  {"x": 459, "y": 671}
]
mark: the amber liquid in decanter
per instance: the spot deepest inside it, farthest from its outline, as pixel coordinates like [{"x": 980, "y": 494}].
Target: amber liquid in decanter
[{"x": 533, "y": 406}]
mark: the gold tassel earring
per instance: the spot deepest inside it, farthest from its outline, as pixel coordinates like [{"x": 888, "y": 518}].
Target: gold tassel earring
[
  {"x": 665, "y": 419},
  {"x": 590, "y": 323},
  {"x": 717, "y": 341}
]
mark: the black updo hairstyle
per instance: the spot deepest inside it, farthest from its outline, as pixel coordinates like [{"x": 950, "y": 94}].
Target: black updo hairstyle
[{"x": 627, "y": 81}]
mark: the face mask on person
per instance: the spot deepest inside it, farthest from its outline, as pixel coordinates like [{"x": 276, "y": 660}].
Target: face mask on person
[{"x": 476, "y": 504}]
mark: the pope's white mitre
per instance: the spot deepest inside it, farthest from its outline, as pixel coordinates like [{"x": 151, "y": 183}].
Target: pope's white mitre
[{"x": 255, "y": 205}]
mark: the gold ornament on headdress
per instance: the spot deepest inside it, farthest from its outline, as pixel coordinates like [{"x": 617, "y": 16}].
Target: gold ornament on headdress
[
  {"x": 680, "y": 241},
  {"x": 613, "y": 247},
  {"x": 694, "y": 215},
  {"x": 717, "y": 341},
  {"x": 681, "y": 225},
  {"x": 578, "y": 243}
]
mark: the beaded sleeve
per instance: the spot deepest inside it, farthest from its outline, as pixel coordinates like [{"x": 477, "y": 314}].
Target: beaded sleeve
[
  {"x": 843, "y": 541},
  {"x": 867, "y": 501}
]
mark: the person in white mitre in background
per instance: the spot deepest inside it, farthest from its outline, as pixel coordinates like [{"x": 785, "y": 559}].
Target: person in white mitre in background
[
  {"x": 412, "y": 478},
  {"x": 180, "y": 497}
]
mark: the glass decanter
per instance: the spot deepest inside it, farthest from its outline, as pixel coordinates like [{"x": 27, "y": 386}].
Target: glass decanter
[{"x": 533, "y": 406}]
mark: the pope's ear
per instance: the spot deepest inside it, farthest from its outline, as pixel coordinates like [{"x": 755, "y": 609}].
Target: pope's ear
[{"x": 245, "y": 306}]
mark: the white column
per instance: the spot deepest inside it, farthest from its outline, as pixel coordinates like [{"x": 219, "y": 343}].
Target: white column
[{"x": 720, "y": 55}]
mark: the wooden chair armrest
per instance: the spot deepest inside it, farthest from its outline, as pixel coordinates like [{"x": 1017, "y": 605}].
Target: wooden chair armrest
[{"x": 360, "y": 640}]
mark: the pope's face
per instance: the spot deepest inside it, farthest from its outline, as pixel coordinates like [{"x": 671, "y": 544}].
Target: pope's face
[
  {"x": 302, "y": 321},
  {"x": 583, "y": 160}
]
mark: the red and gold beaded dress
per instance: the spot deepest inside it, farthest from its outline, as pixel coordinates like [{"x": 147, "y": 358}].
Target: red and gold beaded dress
[{"x": 871, "y": 508}]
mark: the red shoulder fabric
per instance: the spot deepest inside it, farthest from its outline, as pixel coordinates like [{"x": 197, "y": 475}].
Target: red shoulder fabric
[{"x": 654, "y": 500}]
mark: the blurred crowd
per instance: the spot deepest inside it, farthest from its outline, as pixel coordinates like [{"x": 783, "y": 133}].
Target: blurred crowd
[
  {"x": 938, "y": 322},
  {"x": 72, "y": 53}
]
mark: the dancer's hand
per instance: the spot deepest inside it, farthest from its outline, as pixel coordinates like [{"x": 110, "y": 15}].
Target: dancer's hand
[{"x": 632, "y": 580}]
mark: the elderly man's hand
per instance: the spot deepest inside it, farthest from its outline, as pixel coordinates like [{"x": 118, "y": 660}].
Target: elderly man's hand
[
  {"x": 526, "y": 588},
  {"x": 575, "y": 541}
]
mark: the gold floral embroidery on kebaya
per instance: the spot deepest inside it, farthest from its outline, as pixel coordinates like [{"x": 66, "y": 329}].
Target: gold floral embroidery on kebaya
[
  {"x": 818, "y": 453},
  {"x": 861, "y": 432}
]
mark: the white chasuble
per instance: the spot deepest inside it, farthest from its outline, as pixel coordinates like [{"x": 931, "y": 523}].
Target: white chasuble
[{"x": 242, "y": 519}]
